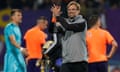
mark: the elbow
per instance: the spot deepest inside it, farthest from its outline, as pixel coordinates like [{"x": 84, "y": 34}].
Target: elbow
[{"x": 115, "y": 44}]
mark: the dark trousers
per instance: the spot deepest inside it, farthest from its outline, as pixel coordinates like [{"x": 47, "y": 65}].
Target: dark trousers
[
  {"x": 98, "y": 67},
  {"x": 31, "y": 66},
  {"x": 75, "y": 67}
]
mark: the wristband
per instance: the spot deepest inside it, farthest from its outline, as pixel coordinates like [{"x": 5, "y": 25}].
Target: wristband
[
  {"x": 21, "y": 48},
  {"x": 53, "y": 19}
]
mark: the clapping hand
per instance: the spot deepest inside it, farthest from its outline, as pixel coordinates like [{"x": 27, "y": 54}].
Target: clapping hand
[{"x": 56, "y": 10}]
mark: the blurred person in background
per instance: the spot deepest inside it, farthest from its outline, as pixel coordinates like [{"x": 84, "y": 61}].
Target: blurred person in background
[
  {"x": 13, "y": 60},
  {"x": 97, "y": 40},
  {"x": 34, "y": 39},
  {"x": 3, "y": 4},
  {"x": 15, "y": 4},
  {"x": 83, "y": 10},
  {"x": 116, "y": 69},
  {"x": 74, "y": 51}
]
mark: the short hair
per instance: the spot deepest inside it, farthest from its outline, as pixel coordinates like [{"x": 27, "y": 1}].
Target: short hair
[
  {"x": 42, "y": 18},
  {"x": 15, "y": 10},
  {"x": 92, "y": 20},
  {"x": 74, "y": 3}
]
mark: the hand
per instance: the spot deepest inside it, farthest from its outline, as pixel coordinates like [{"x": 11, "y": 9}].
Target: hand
[
  {"x": 38, "y": 62},
  {"x": 46, "y": 56},
  {"x": 56, "y": 10},
  {"x": 24, "y": 51},
  {"x": 58, "y": 24},
  {"x": 109, "y": 57}
]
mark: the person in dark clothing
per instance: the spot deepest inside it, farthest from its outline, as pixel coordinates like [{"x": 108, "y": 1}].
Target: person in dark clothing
[{"x": 74, "y": 51}]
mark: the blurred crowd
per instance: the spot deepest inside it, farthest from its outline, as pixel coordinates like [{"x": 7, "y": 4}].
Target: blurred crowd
[
  {"x": 23, "y": 4},
  {"x": 88, "y": 7},
  {"x": 37, "y": 4}
]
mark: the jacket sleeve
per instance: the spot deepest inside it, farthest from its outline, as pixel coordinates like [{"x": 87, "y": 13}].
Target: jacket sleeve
[{"x": 76, "y": 27}]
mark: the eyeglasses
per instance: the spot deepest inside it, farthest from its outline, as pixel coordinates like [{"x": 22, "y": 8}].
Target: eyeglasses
[{"x": 72, "y": 9}]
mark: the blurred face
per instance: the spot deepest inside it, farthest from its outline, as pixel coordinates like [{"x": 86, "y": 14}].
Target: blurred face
[
  {"x": 17, "y": 17},
  {"x": 43, "y": 24},
  {"x": 73, "y": 11}
]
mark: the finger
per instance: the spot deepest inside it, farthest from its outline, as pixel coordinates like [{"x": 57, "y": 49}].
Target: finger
[
  {"x": 53, "y": 4},
  {"x": 52, "y": 8}
]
